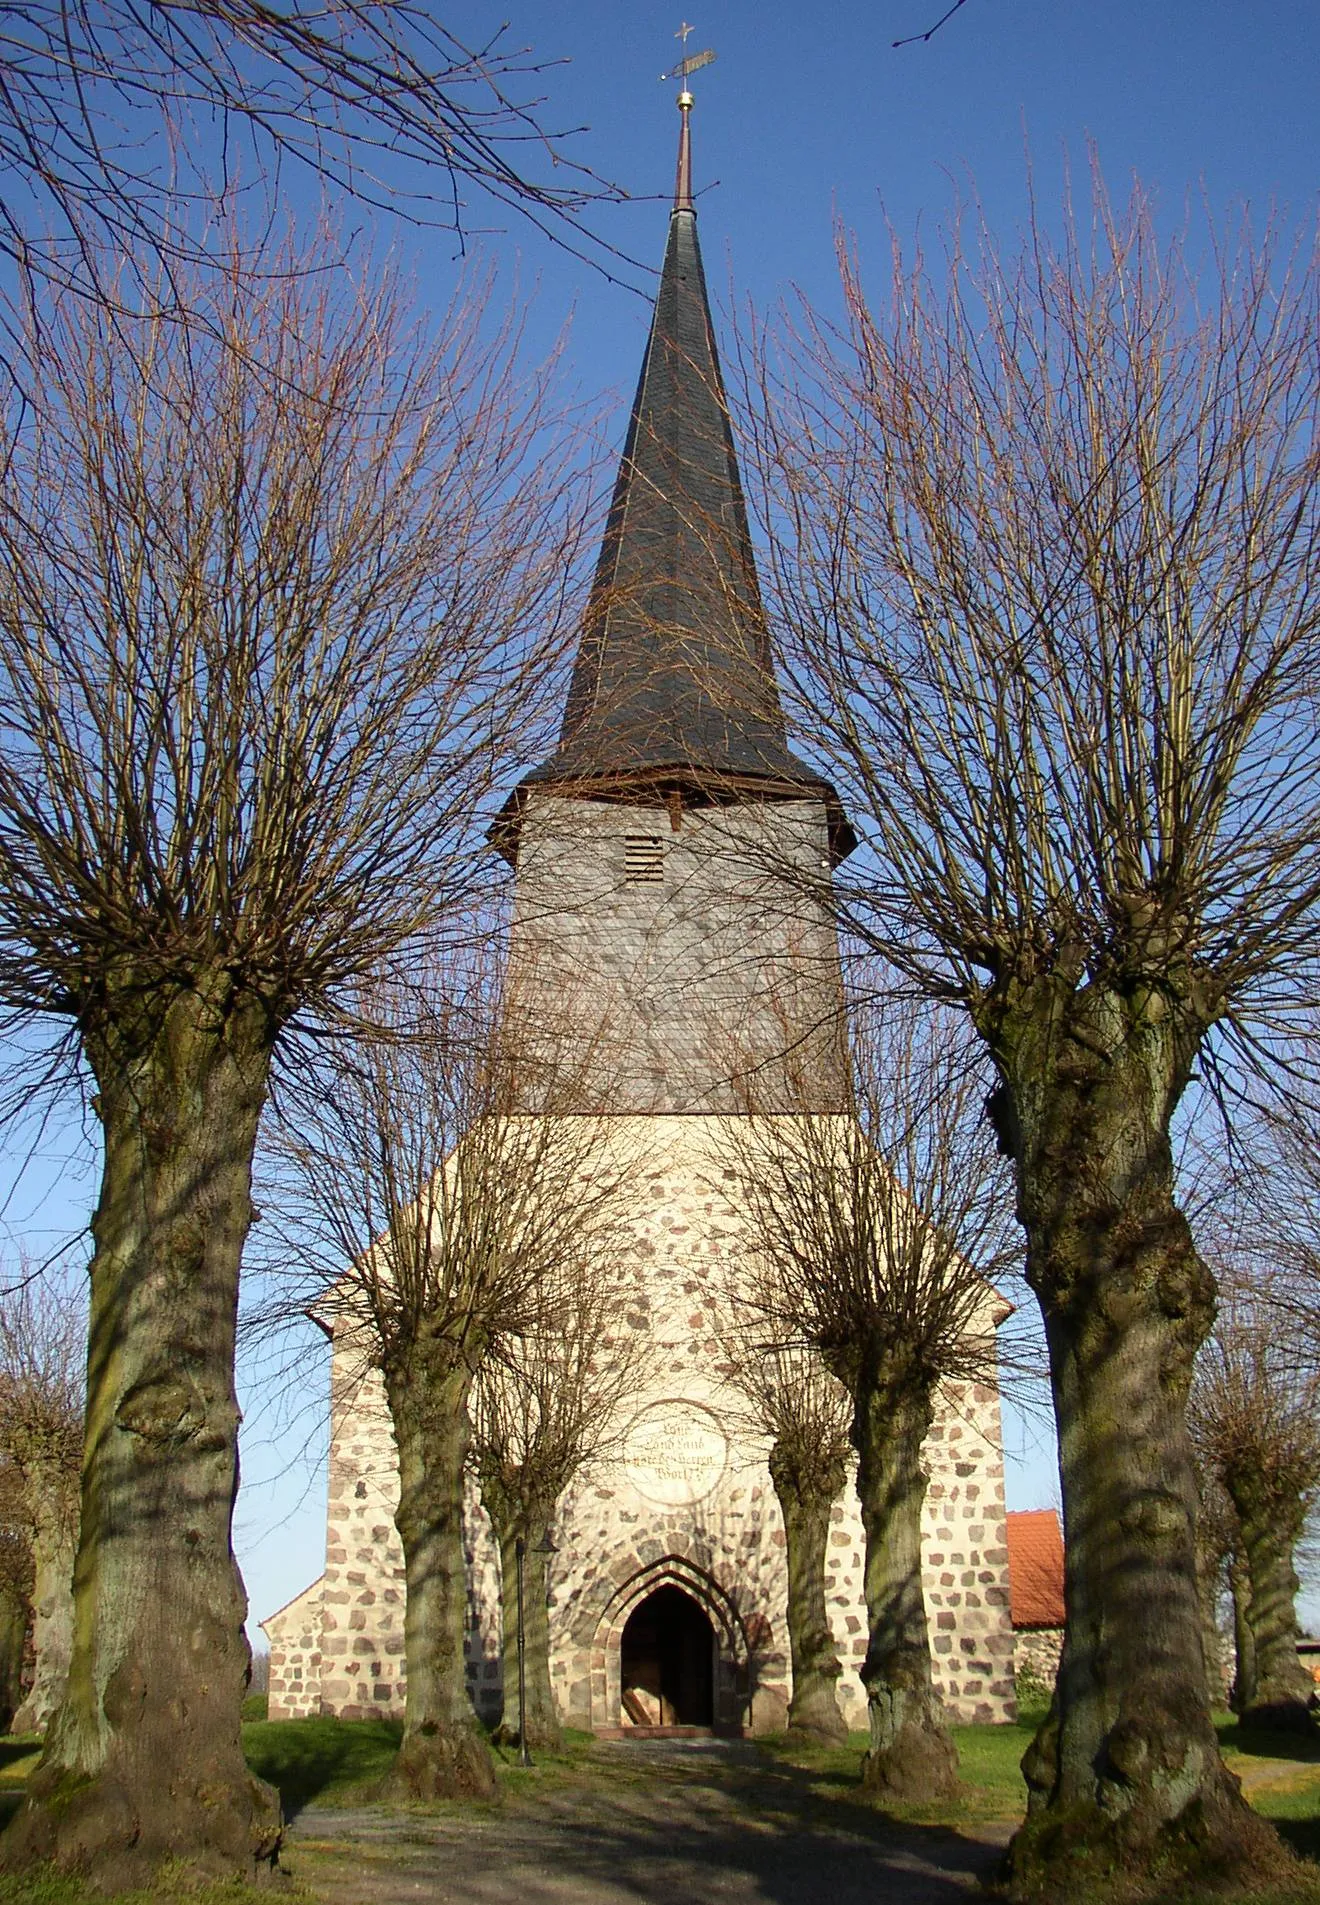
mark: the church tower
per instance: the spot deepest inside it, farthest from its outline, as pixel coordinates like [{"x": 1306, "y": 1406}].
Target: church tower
[
  {"x": 672, "y": 854},
  {"x": 673, "y": 950}
]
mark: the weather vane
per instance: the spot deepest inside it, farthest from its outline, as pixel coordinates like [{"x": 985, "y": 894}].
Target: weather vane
[{"x": 690, "y": 62}]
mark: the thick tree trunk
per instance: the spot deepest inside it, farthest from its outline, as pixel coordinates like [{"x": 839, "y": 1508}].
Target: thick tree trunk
[
  {"x": 911, "y": 1755},
  {"x": 14, "y": 1611},
  {"x": 54, "y": 1540},
  {"x": 1212, "y": 1647},
  {"x": 543, "y": 1729},
  {"x": 1244, "y": 1641},
  {"x": 143, "y": 1761},
  {"x": 1125, "y": 1774},
  {"x": 813, "y": 1712},
  {"x": 443, "y": 1754},
  {"x": 1271, "y": 1527}
]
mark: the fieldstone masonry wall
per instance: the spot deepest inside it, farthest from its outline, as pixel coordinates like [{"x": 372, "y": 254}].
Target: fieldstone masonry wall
[
  {"x": 687, "y": 1503},
  {"x": 1036, "y": 1654},
  {"x": 294, "y": 1692}
]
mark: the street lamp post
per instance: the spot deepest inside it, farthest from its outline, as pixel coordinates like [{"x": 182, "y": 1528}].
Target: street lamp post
[{"x": 544, "y": 1546}]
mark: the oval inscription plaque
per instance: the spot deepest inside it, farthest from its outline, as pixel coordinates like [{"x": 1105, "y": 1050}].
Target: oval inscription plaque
[{"x": 675, "y": 1453}]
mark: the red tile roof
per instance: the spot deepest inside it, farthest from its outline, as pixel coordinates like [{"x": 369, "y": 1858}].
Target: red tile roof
[{"x": 1035, "y": 1568}]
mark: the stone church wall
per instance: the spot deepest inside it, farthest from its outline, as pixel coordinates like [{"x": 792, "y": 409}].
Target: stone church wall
[
  {"x": 294, "y": 1634},
  {"x": 705, "y": 1520}
]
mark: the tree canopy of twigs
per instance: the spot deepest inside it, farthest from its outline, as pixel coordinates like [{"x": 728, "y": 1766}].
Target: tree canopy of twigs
[
  {"x": 445, "y": 1235},
  {"x": 269, "y": 600},
  {"x": 270, "y": 585},
  {"x": 121, "y": 127},
  {"x": 880, "y": 1237},
  {"x": 887, "y": 1231},
  {"x": 1256, "y": 1210},
  {"x": 1049, "y": 552},
  {"x": 1046, "y": 546}
]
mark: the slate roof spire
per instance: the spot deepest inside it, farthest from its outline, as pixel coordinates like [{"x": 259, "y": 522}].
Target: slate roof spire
[{"x": 673, "y": 691}]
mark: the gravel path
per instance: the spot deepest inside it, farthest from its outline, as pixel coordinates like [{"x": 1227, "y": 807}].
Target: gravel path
[{"x": 707, "y": 1821}]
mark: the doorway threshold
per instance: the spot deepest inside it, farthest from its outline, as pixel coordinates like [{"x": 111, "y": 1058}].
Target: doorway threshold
[{"x": 668, "y": 1732}]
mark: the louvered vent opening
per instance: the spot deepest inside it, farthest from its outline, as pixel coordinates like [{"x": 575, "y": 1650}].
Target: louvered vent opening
[{"x": 643, "y": 859}]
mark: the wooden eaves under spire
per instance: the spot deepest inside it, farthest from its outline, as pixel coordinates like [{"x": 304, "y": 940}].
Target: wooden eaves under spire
[{"x": 673, "y": 693}]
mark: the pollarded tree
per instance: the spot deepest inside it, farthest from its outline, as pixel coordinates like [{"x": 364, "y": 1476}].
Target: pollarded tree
[
  {"x": 880, "y": 1237},
  {"x": 1254, "y": 1420},
  {"x": 268, "y": 587},
  {"x": 43, "y": 1339},
  {"x": 1047, "y": 549},
  {"x": 544, "y": 1411},
  {"x": 434, "y": 1225},
  {"x": 787, "y": 1394}
]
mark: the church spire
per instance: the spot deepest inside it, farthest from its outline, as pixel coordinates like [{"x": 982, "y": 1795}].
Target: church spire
[{"x": 673, "y": 696}]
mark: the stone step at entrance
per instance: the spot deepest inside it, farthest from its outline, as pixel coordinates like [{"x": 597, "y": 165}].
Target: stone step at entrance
[{"x": 669, "y": 1733}]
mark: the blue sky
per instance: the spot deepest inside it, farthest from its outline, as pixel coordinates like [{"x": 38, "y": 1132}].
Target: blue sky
[
  {"x": 808, "y": 117},
  {"x": 811, "y": 116}
]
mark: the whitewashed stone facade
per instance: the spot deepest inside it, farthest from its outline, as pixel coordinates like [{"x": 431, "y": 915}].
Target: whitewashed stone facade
[{"x": 686, "y": 1503}]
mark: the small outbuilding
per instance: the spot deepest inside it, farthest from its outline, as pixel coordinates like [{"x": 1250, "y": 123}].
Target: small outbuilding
[{"x": 1035, "y": 1592}]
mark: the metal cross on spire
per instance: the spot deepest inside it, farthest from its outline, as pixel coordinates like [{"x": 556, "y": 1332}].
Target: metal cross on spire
[{"x": 689, "y": 64}]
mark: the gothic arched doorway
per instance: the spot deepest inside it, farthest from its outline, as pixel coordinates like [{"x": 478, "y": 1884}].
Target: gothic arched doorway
[{"x": 667, "y": 1662}]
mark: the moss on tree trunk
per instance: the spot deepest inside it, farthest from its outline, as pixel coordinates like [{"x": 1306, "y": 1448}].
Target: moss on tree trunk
[
  {"x": 911, "y": 1754},
  {"x": 1125, "y": 1776},
  {"x": 805, "y": 1501},
  {"x": 143, "y": 1761},
  {"x": 443, "y": 1753},
  {"x": 1270, "y": 1527}
]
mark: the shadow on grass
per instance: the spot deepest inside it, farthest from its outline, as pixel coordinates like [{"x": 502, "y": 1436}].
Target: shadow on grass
[
  {"x": 1268, "y": 1742},
  {"x": 1303, "y": 1835},
  {"x": 989, "y": 1767},
  {"x": 18, "y": 1757},
  {"x": 334, "y": 1761}
]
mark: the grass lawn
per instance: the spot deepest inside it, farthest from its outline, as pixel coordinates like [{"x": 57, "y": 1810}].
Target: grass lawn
[
  {"x": 1281, "y": 1778},
  {"x": 338, "y": 1763},
  {"x": 1282, "y": 1781},
  {"x": 988, "y": 1761}
]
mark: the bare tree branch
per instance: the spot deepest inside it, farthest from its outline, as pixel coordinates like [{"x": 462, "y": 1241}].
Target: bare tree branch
[
  {"x": 913, "y": 39},
  {"x": 122, "y": 126}
]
